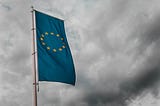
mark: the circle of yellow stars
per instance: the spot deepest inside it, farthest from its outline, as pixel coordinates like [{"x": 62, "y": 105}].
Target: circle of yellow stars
[{"x": 48, "y": 47}]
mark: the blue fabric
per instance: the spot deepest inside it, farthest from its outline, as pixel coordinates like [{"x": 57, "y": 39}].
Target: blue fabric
[{"x": 55, "y": 61}]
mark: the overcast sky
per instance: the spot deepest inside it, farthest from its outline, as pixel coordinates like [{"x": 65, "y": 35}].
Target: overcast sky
[{"x": 115, "y": 46}]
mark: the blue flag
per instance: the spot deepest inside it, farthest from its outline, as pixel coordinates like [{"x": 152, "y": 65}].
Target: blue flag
[{"x": 55, "y": 61}]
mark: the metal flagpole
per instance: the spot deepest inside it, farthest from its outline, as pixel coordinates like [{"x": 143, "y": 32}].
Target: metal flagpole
[{"x": 34, "y": 60}]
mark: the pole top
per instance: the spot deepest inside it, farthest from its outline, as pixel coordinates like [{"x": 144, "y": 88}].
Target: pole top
[{"x": 32, "y": 8}]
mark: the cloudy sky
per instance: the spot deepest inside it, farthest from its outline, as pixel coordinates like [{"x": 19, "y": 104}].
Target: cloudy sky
[{"x": 115, "y": 46}]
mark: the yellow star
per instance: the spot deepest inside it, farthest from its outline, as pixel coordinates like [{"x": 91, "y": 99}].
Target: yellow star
[
  {"x": 57, "y": 35},
  {"x": 46, "y": 33},
  {"x": 63, "y": 46},
  {"x": 42, "y": 35},
  {"x": 52, "y": 33},
  {"x": 61, "y": 38},
  {"x": 43, "y": 43},
  {"x": 60, "y": 49},
  {"x": 54, "y": 50},
  {"x": 41, "y": 39},
  {"x": 48, "y": 48}
]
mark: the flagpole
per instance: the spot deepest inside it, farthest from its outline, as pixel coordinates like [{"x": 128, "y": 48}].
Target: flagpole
[{"x": 34, "y": 61}]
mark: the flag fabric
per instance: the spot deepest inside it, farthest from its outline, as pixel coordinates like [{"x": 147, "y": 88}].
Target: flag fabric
[{"x": 55, "y": 61}]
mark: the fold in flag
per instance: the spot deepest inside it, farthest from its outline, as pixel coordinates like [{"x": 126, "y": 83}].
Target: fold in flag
[{"x": 55, "y": 61}]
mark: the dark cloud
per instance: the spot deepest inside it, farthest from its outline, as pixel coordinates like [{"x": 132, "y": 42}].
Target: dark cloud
[
  {"x": 147, "y": 34},
  {"x": 140, "y": 83},
  {"x": 113, "y": 89},
  {"x": 127, "y": 90}
]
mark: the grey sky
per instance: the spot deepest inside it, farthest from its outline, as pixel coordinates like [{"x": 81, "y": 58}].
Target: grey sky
[{"x": 115, "y": 47}]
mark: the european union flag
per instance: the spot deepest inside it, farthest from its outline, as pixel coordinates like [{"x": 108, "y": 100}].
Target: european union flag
[{"x": 54, "y": 56}]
